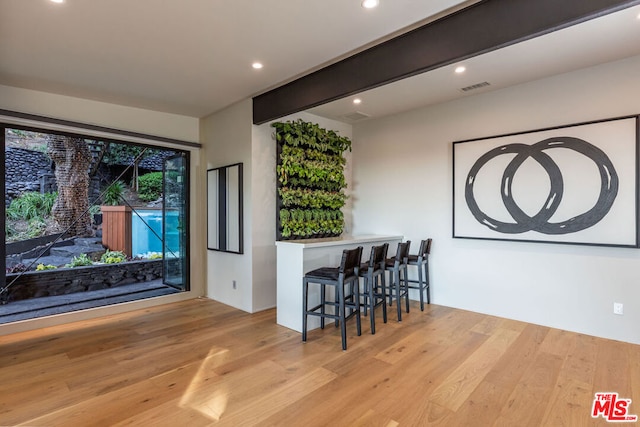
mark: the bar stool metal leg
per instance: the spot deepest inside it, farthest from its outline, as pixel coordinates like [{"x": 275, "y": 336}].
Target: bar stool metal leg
[
  {"x": 406, "y": 287},
  {"x": 305, "y": 304},
  {"x": 420, "y": 288},
  {"x": 383, "y": 291},
  {"x": 323, "y": 308},
  {"x": 396, "y": 275},
  {"x": 426, "y": 280}
]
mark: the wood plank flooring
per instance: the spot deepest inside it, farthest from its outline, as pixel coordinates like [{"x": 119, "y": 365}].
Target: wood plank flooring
[{"x": 201, "y": 363}]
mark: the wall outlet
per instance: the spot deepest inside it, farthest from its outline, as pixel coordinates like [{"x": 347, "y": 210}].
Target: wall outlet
[
  {"x": 235, "y": 286},
  {"x": 618, "y": 308}
]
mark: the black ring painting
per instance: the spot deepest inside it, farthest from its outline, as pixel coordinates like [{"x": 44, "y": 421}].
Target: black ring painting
[{"x": 572, "y": 184}]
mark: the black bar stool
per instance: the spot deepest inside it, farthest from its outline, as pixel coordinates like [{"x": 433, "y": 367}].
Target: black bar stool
[
  {"x": 397, "y": 268},
  {"x": 422, "y": 262},
  {"x": 374, "y": 292},
  {"x": 338, "y": 277}
]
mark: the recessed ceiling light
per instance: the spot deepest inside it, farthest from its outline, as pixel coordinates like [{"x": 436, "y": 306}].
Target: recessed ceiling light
[
  {"x": 370, "y": 4},
  {"x": 461, "y": 69},
  {"x": 57, "y": 1},
  {"x": 357, "y": 101},
  {"x": 257, "y": 65}
]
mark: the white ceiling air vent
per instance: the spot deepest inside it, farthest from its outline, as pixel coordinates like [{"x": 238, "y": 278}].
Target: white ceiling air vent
[
  {"x": 355, "y": 116},
  {"x": 474, "y": 87}
]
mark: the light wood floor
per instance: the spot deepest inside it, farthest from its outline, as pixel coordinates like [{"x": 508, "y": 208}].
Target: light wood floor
[{"x": 199, "y": 363}]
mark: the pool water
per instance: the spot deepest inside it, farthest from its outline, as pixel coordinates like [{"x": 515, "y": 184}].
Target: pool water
[{"x": 146, "y": 238}]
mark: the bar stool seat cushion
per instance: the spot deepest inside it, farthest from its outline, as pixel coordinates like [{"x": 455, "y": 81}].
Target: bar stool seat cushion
[{"x": 327, "y": 273}]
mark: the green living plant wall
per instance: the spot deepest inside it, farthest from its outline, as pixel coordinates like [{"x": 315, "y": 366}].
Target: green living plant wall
[{"x": 311, "y": 180}]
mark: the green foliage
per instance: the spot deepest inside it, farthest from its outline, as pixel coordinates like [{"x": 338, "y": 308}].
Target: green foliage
[
  {"x": 113, "y": 194},
  {"x": 18, "y": 132},
  {"x": 113, "y": 257},
  {"x": 125, "y": 154},
  {"x": 313, "y": 172},
  {"x": 311, "y": 222},
  {"x": 154, "y": 255},
  {"x": 311, "y": 176},
  {"x": 285, "y": 215},
  {"x": 9, "y": 231},
  {"x": 306, "y": 198},
  {"x": 42, "y": 267},
  {"x": 300, "y": 167},
  {"x": 35, "y": 228},
  {"x": 79, "y": 261},
  {"x": 310, "y": 135},
  {"x": 31, "y": 205},
  {"x": 150, "y": 186}
]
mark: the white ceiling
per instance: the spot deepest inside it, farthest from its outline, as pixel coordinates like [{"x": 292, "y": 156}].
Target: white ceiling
[
  {"x": 190, "y": 57},
  {"x": 608, "y": 38},
  {"x": 193, "y": 57}
]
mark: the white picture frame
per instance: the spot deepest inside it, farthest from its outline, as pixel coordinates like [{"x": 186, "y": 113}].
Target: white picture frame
[{"x": 574, "y": 184}]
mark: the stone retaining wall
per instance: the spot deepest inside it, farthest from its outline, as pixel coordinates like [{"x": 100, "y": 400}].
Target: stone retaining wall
[
  {"x": 28, "y": 170},
  {"x": 24, "y": 168},
  {"x": 62, "y": 281}
]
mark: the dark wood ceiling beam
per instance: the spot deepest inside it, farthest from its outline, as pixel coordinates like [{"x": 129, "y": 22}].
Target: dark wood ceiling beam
[{"x": 477, "y": 29}]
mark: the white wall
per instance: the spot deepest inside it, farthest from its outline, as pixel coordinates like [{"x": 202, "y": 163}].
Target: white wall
[
  {"x": 130, "y": 119},
  {"x": 563, "y": 286},
  {"x": 226, "y": 139},
  {"x": 263, "y": 216}
]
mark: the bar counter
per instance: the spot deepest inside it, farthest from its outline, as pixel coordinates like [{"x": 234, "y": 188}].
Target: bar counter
[{"x": 296, "y": 257}]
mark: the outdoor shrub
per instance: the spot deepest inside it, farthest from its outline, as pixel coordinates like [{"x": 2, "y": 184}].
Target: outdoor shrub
[
  {"x": 113, "y": 194},
  {"x": 113, "y": 257},
  {"x": 152, "y": 255},
  {"x": 31, "y": 205},
  {"x": 36, "y": 227},
  {"x": 42, "y": 267},
  {"x": 150, "y": 186},
  {"x": 9, "y": 230},
  {"x": 80, "y": 261}
]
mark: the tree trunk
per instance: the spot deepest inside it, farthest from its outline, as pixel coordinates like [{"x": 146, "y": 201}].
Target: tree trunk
[{"x": 72, "y": 160}]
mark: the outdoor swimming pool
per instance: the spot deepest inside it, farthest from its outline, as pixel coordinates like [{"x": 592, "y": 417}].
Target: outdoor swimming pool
[{"x": 145, "y": 238}]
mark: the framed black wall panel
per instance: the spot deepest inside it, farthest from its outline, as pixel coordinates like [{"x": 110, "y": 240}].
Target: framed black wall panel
[
  {"x": 225, "y": 209},
  {"x": 477, "y": 29},
  {"x": 222, "y": 212}
]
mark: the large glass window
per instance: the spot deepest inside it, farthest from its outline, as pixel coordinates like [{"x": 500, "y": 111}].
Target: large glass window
[{"x": 89, "y": 222}]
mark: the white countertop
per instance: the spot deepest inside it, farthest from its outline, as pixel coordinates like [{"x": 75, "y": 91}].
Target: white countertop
[{"x": 336, "y": 241}]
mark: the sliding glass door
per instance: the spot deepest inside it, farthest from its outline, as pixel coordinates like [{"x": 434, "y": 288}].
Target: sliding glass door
[
  {"x": 175, "y": 219},
  {"x": 89, "y": 222}
]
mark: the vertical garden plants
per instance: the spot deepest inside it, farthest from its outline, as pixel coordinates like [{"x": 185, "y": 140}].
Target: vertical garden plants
[{"x": 311, "y": 180}]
